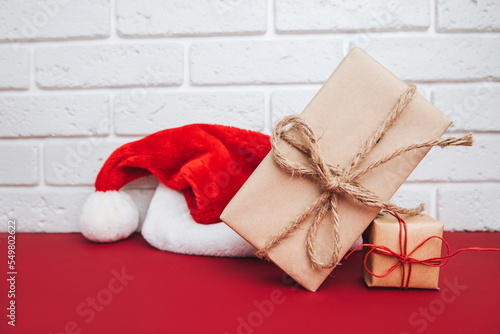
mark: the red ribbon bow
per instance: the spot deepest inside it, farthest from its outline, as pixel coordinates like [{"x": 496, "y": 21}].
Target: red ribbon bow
[{"x": 404, "y": 257}]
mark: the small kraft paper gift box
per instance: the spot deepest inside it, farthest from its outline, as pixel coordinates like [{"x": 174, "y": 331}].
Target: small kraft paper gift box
[
  {"x": 404, "y": 251},
  {"x": 334, "y": 167}
]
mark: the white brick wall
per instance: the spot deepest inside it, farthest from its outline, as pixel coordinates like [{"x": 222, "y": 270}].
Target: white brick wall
[
  {"x": 53, "y": 19},
  {"x": 258, "y": 62},
  {"x": 339, "y": 16},
  {"x": 69, "y": 115},
  {"x": 469, "y": 206},
  {"x": 288, "y": 102},
  {"x": 437, "y": 58},
  {"x": 462, "y": 163},
  {"x": 79, "y": 78},
  {"x": 157, "y": 111},
  {"x": 465, "y": 15},
  {"x": 473, "y": 107},
  {"x": 54, "y": 210},
  {"x": 76, "y": 162},
  {"x": 190, "y": 18},
  {"x": 19, "y": 164},
  {"x": 69, "y": 66},
  {"x": 15, "y": 68}
]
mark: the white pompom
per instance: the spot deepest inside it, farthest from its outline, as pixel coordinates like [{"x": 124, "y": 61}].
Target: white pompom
[{"x": 109, "y": 216}]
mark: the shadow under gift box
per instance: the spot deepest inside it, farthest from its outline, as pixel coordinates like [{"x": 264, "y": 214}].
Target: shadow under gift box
[
  {"x": 344, "y": 114},
  {"x": 385, "y": 231}
]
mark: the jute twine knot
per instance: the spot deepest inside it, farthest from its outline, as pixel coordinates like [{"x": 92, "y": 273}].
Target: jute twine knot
[{"x": 334, "y": 181}]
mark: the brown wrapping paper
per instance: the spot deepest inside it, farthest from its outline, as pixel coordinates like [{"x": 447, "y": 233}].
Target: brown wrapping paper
[
  {"x": 384, "y": 231},
  {"x": 345, "y": 112}
]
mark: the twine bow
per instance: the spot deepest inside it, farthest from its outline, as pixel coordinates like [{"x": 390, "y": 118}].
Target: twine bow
[
  {"x": 335, "y": 181},
  {"x": 405, "y": 258}
]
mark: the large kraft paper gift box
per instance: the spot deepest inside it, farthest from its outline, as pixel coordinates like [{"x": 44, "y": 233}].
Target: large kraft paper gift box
[
  {"x": 420, "y": 239},
  {"x": 345, "y": 113}
]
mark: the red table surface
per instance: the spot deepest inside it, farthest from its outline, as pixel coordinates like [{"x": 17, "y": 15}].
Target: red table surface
[{"x": 66, "y": 284}]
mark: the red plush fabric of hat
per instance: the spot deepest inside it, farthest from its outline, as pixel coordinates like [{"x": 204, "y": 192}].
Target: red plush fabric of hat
[{"x": 208, "y": 163}]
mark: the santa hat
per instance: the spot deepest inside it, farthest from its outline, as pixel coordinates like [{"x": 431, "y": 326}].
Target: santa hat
[{"x": 207, "y": 163}]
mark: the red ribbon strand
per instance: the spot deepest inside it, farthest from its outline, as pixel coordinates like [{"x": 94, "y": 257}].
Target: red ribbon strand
[{"x": 405, "y": 258}]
